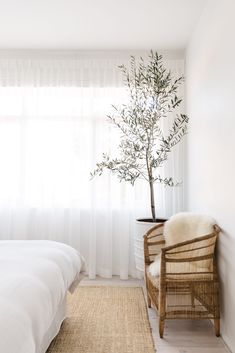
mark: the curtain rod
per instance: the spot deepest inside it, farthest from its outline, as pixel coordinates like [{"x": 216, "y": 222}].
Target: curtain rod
[{"x": 93, "y": 54}]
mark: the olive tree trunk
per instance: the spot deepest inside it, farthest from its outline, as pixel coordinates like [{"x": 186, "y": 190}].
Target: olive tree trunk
[{"x": 152, "y": 201}]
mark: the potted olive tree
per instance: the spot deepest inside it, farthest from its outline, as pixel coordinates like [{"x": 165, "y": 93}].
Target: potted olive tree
[{"x": 144, "y": 146}]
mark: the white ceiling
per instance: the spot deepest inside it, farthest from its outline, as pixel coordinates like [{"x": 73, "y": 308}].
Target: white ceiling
[{"x": 97, "y": 24}]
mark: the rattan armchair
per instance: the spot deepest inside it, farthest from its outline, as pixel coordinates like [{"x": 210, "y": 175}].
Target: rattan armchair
[{"x": 188, "y": 286}]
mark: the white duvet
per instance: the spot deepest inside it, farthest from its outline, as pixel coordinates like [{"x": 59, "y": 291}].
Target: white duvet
[{"x": 34, "y": 278}]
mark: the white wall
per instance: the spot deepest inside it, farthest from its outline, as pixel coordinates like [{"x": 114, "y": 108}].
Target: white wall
[{"x": 210, "y": 77}]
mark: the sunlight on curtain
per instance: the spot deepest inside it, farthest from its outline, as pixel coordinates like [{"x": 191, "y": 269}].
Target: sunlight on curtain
[{"x": 50, "y": 139}]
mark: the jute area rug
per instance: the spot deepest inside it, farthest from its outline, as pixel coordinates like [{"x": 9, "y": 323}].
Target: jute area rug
[{"x": 105, "y": 320}]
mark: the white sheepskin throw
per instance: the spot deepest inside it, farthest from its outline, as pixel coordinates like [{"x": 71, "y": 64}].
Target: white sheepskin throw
[{"x": 182, "y": 227}]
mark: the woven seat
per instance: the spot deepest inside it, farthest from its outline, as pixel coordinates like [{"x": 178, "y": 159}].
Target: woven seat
[
  {"x": 187, "y": 286},
  {"x": 200, "y": 276}
]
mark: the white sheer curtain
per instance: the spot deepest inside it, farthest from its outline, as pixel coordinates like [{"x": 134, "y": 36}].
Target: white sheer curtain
[{"x": 53, "y": 129}]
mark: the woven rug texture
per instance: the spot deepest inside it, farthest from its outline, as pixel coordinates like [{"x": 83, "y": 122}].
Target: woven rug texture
[{"x": 105, "y": 320}]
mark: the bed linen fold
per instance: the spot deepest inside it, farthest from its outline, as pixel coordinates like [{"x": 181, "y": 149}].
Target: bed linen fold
[{"x": 34, "y": 278}]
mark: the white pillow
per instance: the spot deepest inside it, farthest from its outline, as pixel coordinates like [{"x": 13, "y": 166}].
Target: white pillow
[{"x": 186, "y": 226}]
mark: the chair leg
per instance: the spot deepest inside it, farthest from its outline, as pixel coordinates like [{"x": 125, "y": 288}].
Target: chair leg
[
  {"x": 162, "y": 312},
  {"x": 147, "y": 291},
  {"x": 161, "y": 327},
  {"x": 217, "y": 327},
  {"x": 192, "y": 299},
  {"x": 148, "y": 301}
]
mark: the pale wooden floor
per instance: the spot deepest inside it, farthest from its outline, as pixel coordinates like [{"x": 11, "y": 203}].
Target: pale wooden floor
[{"x": 180, "y": 336}]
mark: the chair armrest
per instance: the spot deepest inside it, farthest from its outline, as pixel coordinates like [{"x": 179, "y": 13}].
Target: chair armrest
[
  {"x": 153, "y": 243},
  {"x": 194, "y": 256}
]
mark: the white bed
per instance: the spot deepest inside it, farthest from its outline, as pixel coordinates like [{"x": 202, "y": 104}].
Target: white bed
[{"x": 34, "y": 278}]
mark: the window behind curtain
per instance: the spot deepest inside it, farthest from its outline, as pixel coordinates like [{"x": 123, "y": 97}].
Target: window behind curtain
[
  {"x": 53, "y": 129},
  {"x": 50, "y": 140}
]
